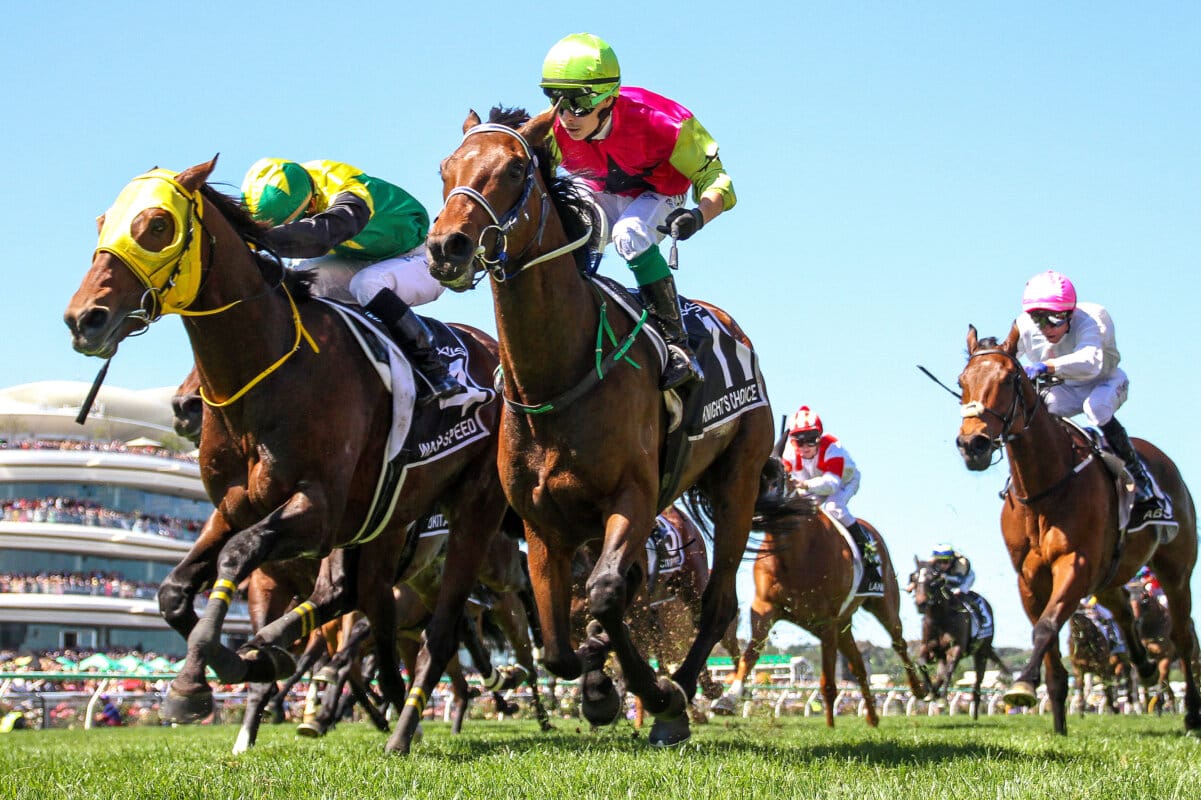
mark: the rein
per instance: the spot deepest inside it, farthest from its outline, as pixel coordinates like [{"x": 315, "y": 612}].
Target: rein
[
  {"x": 976, "y": 409},
  {"x": 498, "y": 269}
]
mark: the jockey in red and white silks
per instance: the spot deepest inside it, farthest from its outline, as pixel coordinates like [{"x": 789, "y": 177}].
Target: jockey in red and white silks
[{"x": 830, "y": 476}]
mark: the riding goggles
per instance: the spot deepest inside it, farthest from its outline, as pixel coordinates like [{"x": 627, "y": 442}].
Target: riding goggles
[
  {"x": 577, "y": 102},
  {"x": 805, "y": 441},
  {"x": 1049, "y": 319}
]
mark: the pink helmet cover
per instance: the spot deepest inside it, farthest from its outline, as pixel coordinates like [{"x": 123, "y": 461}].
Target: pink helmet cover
[{"x": 1049, "y": 291}]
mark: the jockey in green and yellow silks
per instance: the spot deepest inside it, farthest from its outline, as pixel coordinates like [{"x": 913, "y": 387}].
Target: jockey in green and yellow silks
[
  {"x": 638, "y": 153},
  {"x": 330, "y": 210}
]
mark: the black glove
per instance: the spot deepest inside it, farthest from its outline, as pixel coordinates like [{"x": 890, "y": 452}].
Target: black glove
[{"x": 682, "y": 223}]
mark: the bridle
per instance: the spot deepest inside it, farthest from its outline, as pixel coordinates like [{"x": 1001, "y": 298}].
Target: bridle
[
  {"x": 498, "y": 266},
  {"x": 1018, "y": 404}
]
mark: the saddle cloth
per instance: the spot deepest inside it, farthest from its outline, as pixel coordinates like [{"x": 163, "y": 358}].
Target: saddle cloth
[
  {"x": 733, "y": 384},
  {"x": 664, "y": 549},
  {"x": 418, "y": 434},
  {"x": 1123, "y": 481},
  {"x": 857, "y": 564},
  {"x": 983, "y": 625}
]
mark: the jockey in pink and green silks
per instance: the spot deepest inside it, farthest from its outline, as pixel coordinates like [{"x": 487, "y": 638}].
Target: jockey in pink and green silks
[{"x": 638, "y": 153}]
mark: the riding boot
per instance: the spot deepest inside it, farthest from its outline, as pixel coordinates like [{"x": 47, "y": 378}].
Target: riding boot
[
  {"x": 412, "y": 334},
  {"x": 1149, "y": 508},
  {"x": 873, "y": 578},
  {"x": 663, "y": 303}
]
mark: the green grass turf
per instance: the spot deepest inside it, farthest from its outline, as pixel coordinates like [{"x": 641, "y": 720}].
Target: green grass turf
[{"x": 922, "y": 757}]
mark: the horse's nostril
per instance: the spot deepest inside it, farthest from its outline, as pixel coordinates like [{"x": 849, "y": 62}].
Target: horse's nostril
[
  {"x": 457, "y": 247},
  {"x": 93, "y": 320}
]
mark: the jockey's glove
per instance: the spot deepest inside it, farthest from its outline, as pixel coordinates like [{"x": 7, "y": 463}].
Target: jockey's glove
[
  {"x": 1036, "y": 370},
  {"x": 682, "y": 223}
]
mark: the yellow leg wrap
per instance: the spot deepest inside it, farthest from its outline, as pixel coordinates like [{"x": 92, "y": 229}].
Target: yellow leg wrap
[
  {"x": 417, "y": 699},
  {"x": 308, "y": 618},
  {"x": 223, "y": 591}
]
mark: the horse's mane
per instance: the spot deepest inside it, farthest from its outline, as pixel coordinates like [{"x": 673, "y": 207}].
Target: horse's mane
[
  {"x": 250, "y": 231},
  {"x": 576, "y": 212}
]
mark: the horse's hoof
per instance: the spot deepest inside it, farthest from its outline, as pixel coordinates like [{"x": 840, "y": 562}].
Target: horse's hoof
[
  {"x": 309, "y": 730},
  {"x": 724, "y": 706},
  {"x": 677, "y": 701},
  {"x": 266, "y": 663},
  {"x": 514, "y": 676},
  {"x": 185, "y": 709},
  {"x": 669, "y": 732},
  {"x": 601, "y": 704},
  {"x": 1020, "y": 694}
]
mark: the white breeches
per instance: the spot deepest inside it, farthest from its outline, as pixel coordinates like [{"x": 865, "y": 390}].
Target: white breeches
[
  {"x": 632, "y": 221},
  {"x": 836, "y": 504},
  {"x": 1098, "y": 401},
  {"x": 406, "y": 275}
]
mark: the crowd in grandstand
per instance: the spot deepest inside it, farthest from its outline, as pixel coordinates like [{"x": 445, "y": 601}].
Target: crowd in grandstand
[
  {"x": 70, "y": 511},
  {"x": 114, "y": 446},
  {"x": 95, "y": 584}
]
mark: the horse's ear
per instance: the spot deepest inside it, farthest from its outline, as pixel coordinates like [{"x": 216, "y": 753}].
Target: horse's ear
[
  {"x": 972, "y": 340},
  {"x": 472, "y": 120},
  {"x": 193, "y": 178},
  {"x": 538, "y": 128},
  {"x": 1011, "y": 341},
  {"x": 100, "y": 223}
]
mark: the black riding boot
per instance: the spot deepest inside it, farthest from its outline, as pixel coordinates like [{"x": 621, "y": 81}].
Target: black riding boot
[
  {"x": 411, "y": 333},
  {"x": 663, "y": 303},
  {"x": 873, "y": 578},
  {"x": 1149, "y": 509}
]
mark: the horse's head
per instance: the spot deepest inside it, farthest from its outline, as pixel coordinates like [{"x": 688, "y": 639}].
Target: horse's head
[
  {"x": 496, "y": 201},
  {"x": 188, "y": 408},
  {"x": 995, "y": 392},
  {"x": 147, "y": 260},
  {"x": 777, "y": 498},
  {"x": 929, "y": 586}
]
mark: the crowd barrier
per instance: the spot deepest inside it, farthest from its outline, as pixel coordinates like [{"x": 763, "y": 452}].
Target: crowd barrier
[{"x": 63, "y": 708}]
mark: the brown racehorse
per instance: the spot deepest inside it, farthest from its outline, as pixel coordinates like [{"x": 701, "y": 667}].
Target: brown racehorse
[
  {"x": 293, "y": 449},
  {"x": 804, "y": 574},
  {"x": 1153, "y": 628},
  {"x": 1091, "y": 653},
  {"x": 1060, "y": 522},
  {"x": 947, "y": 631},
  {"x": 580, "y": 459}
]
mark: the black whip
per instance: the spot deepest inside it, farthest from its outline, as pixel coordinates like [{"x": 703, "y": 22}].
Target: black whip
[{"x": 91, "y": 398}]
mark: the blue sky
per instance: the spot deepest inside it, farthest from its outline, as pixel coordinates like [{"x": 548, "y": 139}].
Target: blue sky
[{"x": 901, "y": 168}]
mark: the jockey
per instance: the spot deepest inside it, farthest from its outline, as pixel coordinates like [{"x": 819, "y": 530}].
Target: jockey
[
  {"x": 1075, "y": 342},
  {"x": 1102, "y": 617},
  {"x": 333, "y": 212},
  {"x": 955, "y": 568},
  {"x": 637, "y": 154},
  {"x": 823, "y": 470},
  {"x": 1145, "y": 581}
]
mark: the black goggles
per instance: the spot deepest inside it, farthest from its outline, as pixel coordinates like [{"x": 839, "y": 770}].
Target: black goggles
[
  {"x": 577, "y": 102},
  {"x": 1049, "y": 319},
  {"x": 804, "y": 440}
]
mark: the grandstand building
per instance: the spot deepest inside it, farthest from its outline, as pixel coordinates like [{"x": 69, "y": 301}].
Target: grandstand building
[{"x": 94, "y": 517}]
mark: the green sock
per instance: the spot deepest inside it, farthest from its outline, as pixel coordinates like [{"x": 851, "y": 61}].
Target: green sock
[{"x": 649, "y": 267}]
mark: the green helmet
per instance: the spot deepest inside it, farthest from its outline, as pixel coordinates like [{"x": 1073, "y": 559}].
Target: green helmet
[
  {"x": 276, "y": 191},
  {"x": 581, "y": 62}
]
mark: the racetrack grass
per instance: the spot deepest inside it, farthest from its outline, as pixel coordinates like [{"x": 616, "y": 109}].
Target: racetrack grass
[{"x": 921, "y": 757}]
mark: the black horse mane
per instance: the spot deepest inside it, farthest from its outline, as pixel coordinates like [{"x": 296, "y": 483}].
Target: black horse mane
[
  {"x": 298, "y": 282},
  {"x": 575, "y": 211}
]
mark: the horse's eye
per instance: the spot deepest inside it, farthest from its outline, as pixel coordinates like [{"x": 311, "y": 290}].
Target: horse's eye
[
  {"x": 158, "y": 225},
  {"x": 516, "y": 170}
]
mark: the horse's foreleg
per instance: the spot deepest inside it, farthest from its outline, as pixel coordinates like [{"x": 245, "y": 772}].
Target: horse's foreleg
[
  {"x": 719, "y": 603},
  {"x": 828, "y": 637},
  {"x": 472, "y": 524},
  {"x": 512, "y": 618},
  {"x": 763, "y": 616},
  {"x": 1057, "y": 687},
  {"x": 1066, "y": 584},
  {"x": 887, "y": 611},
  {"x": 846, "y": 646},
  {"x": 294, "y": 528},
  {"x": 1184, "y": 638},
  {"x": 550, "y": 579}
]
